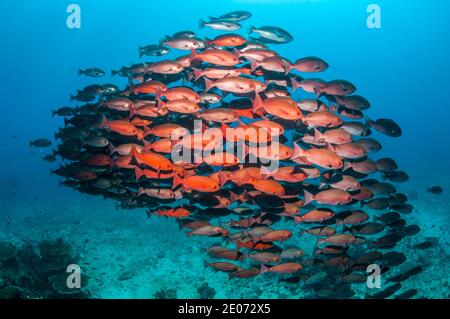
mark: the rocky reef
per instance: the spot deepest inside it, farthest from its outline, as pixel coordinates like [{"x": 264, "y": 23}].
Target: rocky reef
[{"x": 38, "y": 271}]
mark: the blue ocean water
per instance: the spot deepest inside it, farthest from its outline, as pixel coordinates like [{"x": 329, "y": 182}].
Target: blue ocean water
[{"x": 401, "y": 68}]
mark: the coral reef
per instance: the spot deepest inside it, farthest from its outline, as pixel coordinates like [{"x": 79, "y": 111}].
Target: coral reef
[
  {"x": 206, "y": 292},
  {"x": 165, "y": 294},
  {"x": 38, "y": 271}
]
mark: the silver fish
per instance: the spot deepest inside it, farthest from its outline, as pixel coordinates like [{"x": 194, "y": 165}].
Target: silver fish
[{"x": 276, "y": 34}]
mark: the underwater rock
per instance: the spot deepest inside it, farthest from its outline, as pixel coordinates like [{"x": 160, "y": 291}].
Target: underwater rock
[
  {"x": 59, "y": 284},
  {"x": 27, "y": 273},
  {"x": 7, "y": 251},
  {"x": 10, "y": 292},
  {"x": 165, "y": 294},
  {"x": 206, "y": 292},
  {"x": 56, "y": 254},
  {"x": 126, "y": 275}
]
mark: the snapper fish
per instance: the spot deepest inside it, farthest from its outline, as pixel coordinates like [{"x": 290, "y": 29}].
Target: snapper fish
[
  {"x": 92, "y": 72},
  {"x": 153, "y": 50},
  {"x": 215, "y": 139},
  {"x": 236, "y": 16},
  {"x": 276, "y": 34},
  {"x": 220, "y": 24}
]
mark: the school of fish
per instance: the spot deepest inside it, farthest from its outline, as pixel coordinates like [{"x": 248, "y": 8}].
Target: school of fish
[{"x": 330, "y": 187}]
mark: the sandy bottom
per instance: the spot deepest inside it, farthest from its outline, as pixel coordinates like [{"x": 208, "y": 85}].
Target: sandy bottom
[{"x": 127, "y": 255}]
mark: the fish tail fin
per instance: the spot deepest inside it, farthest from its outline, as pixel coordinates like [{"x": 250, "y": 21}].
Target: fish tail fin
[
  {"x": 237, "y": 53},
  {"x": 201, "y": 24},
  {"x": 133, "y": 151},
  {"x": 318, "y": 92},
  {"x": 209, "y": 84},
  {"x": 318, "y": 242},
  {"x": 297, "y": 219},
  {"x": 295, "y": 84},
  {"x": 80, "y": 72},
  {"x": 159, "y": 103},
  {"x": 308, "y": 197},
  {"x": 253, "y": 65},
  {"x": 177, "y": 180},
  {"x": 257, "y": 103},
  {"x": 264, "y": 170},
  {"x": 264, "y": 269},
  {"x": 368, "y": 121},
  {"x": 223, "y": 178},
  {"x": 331, "y": 147},
  {"x": 147, "y": 131},
  {"x": 66, "y": 122},
  {"x": 147, "y": 146},
  {"x": 289, "y": 68},
  {"x": 197, "y": 73},
  {"x": 140, "y": 191},
  {"x": 138, "y": 172},
  {"x": 251, "y": 29},
  {"x": 244, "y": 113},
  {"x": 208, "y": 42},
  {"x": 339, "y": 100},
  {"x": 104, "y": 123},
  {"x": 72, "y": 97},
  {"x": 234, "y": 197},
  {"x": 298, "y": 152},
  {"x": 114, "y": 72},
  {"x": 149, "y": 213},
  {"x": 111, "y": 148},
  {"x": 53, "y": 112},
  {"x": 346, "y": 166},
  {"x": 317, "y": 135},
  {"x": 132, "y": 110},
  {"x": 163, "y": 41}
]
